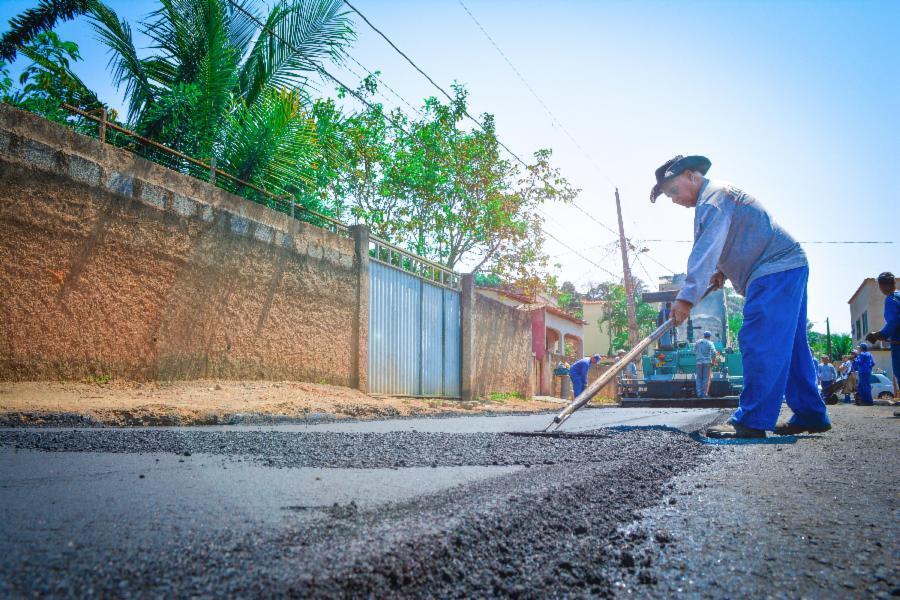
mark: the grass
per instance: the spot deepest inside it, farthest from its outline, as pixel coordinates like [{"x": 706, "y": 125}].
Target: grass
[{"x": 501, "y": 397}]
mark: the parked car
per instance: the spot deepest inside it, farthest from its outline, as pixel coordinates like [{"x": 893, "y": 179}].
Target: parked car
[{"x": 882, "y": 386}]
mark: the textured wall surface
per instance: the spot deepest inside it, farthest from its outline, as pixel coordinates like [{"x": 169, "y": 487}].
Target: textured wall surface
[
  {"x": 111, "y": 265},
  {"x": 502, "y": 354}
]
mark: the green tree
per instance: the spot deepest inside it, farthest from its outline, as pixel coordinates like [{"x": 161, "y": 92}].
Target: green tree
[
  {"x": 216, "y": 84},
  {"x": 446, "y": 192},
  {"x": 734, "y": 308},
  {"x": 48, "y": 79},
  {"x": 615, "y": 315}
]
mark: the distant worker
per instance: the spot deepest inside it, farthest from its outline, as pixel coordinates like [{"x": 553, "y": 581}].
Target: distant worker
[
  {"x": 864, "y": 365},
  {"x": 848, "y": 377},
  {"x": 630, "y": 371},
  {"x": 827, "y": 375},
  {"x": 579, "y": 370},
  {"x": 735, "y": 238},
  {"x": 704, "y": 350},
  {"x": 666, "y": 341},
  {"x": 891, "y": 330}
]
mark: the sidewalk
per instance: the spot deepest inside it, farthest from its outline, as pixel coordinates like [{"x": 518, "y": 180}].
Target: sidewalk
[{"x": 118, "y": 403}]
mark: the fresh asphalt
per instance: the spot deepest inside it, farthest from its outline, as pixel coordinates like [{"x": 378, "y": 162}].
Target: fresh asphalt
[{"x": 446, "y": 507}]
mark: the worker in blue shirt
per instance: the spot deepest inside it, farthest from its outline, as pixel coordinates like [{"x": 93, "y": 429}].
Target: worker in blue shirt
[
  {"x": 579, "y": 370},
  {"x": 827, "y": 375},
  {"x": 704, "y": 350},
  {"x": 891, "y": 330},
  {"x": 863, "y": 366},
  {"x": 736, "y": 238}
]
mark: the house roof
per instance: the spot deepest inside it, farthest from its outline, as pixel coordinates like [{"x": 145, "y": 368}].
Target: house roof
[
  {"x": 529, "y": 304},
  {"x": 861, "y": 286}
]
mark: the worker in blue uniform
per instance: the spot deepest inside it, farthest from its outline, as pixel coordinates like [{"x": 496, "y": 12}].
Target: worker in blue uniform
[
  {"x": 735, "y": 238},
  {"x": 864, "y": 365},
  {"x": 704, "y": 351},
  {"x": 891, "y": 330},
  {"x": 579, "y": 370}
]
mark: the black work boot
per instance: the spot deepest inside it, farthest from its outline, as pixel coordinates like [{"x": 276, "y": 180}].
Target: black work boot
[
  {"x": 728, "y": 431},
  {"x": 787, "y": 428}
]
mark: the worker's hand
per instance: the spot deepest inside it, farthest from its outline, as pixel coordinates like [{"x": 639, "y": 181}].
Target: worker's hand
[
  {"x": 873, "y": 337},
  {"x": 681, "y": 310},
  {"x": 718, "y": 279}
]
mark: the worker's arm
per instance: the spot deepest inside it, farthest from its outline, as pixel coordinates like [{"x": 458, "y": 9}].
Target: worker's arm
[
  {"x": 713, "y": 223},
  {"x": 891, "y": 318}
]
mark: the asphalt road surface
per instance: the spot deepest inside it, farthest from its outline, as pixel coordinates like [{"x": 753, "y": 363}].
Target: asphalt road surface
[{"x": 451, "y": 508}]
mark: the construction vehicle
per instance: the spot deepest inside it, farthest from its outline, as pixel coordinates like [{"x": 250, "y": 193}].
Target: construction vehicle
[{"x": 669, "y": 370}]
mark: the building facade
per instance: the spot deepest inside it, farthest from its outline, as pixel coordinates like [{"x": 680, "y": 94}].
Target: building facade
[{"x": 867, "y": 314}]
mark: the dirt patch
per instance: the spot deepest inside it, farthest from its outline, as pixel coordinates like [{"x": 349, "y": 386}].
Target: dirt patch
[{"x": 121, "y": 403}]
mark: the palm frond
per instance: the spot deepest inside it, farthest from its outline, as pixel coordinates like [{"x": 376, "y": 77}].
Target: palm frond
[
  {"x": 298, "y": 37},
  {"x": 241, "y": 28},
  {"x": 43, "y": 17},
  {"x": 270, "y": 142},
  {"x": 127, "y": 68},
  {"x": 217, "y": 73}
]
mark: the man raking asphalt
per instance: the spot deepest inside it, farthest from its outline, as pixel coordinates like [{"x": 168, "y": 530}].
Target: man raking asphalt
[{"x": 735, "y": 238}]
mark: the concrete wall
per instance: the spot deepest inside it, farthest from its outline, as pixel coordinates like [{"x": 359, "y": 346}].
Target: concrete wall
[
  {"x": 502, "y": 349},
  {"x": 111, "y": 265}
]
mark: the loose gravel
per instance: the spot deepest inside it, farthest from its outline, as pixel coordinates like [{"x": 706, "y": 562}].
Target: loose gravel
[
  {"x": 326, "y": 449},
  {"x": 554, "y": 529}
]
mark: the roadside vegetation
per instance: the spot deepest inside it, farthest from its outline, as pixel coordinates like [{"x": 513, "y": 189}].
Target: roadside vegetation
[{"x": 247, "y": 91}]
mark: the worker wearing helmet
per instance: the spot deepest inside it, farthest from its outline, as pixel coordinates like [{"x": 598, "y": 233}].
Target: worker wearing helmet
[{"x": 735, "y": 238}]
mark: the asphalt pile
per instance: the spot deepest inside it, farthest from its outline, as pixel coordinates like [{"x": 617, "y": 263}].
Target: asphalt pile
[
  {"x": 324, "y": 449},
  {"x": 561, "y": 527}
]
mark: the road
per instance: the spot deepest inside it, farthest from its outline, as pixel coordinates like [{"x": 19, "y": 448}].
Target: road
[{"x": 424, "y": 507}]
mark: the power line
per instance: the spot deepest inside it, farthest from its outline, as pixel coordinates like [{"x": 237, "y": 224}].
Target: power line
[
  {"x": 473, "y": 119},
  {"x": 577, "y": 253},
  {"x": 382, "y": 83},
  {"x": 535, "y": 94},
  {"x": 801, "y": 242},
  {"x": 390, "y": 119}
]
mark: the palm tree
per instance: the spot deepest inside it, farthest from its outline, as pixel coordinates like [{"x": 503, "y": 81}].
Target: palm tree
[
  {"x": 222, "y": 79},
  {"x": 25, "y": 27}
]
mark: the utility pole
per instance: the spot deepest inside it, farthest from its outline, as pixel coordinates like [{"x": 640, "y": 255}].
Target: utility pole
[
  {"x": 828, "y": 337},
  {"x": 629, "y": 284}
]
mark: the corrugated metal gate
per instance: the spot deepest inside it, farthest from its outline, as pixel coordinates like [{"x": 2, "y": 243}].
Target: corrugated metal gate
[{"x": 414, "y": 326}]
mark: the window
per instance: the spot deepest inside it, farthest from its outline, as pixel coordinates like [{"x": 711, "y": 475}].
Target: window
[
  {"x": 874, "y": 379},
  {"x": 865, "y": 324},
  {"x": 856, "y": 330}
]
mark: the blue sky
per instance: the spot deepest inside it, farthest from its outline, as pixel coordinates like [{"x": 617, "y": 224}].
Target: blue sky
[{"x": 795, "y": 101}]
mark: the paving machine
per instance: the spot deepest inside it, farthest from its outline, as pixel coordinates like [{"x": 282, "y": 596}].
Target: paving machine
[{"x": 669, "y": 370}]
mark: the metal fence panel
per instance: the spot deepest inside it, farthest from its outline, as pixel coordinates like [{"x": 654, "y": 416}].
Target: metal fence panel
[
  {"x": 452, "y": 344},
  {"x": 432, "y": 341},
  {"x": 414, "y": 335}
]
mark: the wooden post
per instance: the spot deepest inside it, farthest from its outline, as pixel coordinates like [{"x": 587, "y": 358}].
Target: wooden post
[
  {"x": 629, "y": 284},
  {"x": 103, "y": 125}
]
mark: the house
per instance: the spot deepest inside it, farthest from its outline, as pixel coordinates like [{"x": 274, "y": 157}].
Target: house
[
  {"x": 596, "y": 338},
  {"x": 553, "y": 331},
  {"x": 867, "y": 314}
]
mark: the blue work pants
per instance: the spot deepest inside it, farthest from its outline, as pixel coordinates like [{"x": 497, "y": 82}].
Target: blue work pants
[
  {"x": 864, "y": 388},
  {"x": 778, "y": 364},
  {"x": 895, "y": 359},
  {"x": 702, "y": 379},
  {"x": 578, "y": 383}
]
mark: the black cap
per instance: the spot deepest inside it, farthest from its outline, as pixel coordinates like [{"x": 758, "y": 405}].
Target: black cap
[{"x": 675, "y": 167}]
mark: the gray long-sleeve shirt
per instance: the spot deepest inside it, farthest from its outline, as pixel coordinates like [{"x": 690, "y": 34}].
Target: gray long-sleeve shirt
[{"x": 735, "y": 234}]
